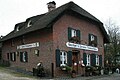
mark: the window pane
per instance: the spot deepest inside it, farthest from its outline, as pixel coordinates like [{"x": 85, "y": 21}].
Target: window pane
[
  {"x": 24, "y": 60},
  {"x": 73, "y": 32},
  {"x": 63, "y": 58},
  {"x": 88, "y": 60},
  {"x": 92, "y": 40}
]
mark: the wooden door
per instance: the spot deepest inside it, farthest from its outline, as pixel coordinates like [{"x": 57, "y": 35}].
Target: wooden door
[{"x": 75, "y": 61}]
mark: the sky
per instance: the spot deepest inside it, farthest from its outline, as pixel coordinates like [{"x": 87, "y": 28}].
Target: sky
[{"x": 16, "y": 11}]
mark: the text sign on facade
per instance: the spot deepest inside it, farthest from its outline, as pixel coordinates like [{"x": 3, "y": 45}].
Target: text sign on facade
[
  {"x": 31, "y": 45},
  {"x": 79, "y": 46}
]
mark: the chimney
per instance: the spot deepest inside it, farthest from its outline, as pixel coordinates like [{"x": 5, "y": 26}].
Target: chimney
[{"x": 51, "y": 6}]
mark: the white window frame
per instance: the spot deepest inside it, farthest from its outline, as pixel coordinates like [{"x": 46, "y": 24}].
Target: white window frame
[
  {"x": 63, "y": 58},
  {"x": 73, "y": 33},
  {"x": 88, "y": 60},
  {"x": 97, "y": 60}
]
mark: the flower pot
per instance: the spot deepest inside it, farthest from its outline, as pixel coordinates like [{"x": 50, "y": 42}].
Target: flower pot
[
  {"x": 73, "y": 75},
  {"x": 63, "y": 69}
]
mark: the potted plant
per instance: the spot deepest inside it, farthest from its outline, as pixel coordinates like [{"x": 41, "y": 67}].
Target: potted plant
[
  {"x": 66, "y": 68},
  {"x": 88, "y": 70},
  {"x": 63, "y": 68},
  {"x": 73, "y": 75},
  {"x": 75, "y": 39}
]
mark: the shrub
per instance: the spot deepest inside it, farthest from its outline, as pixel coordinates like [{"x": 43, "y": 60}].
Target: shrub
[
  {"x": 66, "y": 68},
  {"x": 88, "y": 68}
]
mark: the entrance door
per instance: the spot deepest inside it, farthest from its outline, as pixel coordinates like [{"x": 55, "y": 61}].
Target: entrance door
[{"x": 75, "y": 61}]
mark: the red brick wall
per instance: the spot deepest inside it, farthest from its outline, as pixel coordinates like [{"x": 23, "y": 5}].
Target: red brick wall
[
  {"x": 44, "y": 37},
  {"x": 60, "y": 34}
]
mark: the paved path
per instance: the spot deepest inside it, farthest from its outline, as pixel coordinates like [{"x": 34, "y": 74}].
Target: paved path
[
  {"x": 114, "y": 76},
  {"x": 8, "y": 75}
]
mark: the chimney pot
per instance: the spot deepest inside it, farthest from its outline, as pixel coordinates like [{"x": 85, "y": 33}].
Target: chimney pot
[{"x": 51, "y": 6}]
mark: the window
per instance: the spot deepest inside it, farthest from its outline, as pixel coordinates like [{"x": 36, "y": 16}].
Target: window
[
  {"x": 63, "y": 58},
  {"x": 29, "y": 23},
  {"x": 88, "y": 59},
  {"x": 17, "y": 28},
  {"x": 23, "y": 57},
  {"x": 97, "y": 60},
  {"x": 73, "y": 35},
  {"x": 36, "y": 52},
  {"x": 92, "y": 40},
  {"x": 13, "y": 56}
]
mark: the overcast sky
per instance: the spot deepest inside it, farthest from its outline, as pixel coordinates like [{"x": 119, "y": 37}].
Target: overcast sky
[{"x": 16, "y": 11}]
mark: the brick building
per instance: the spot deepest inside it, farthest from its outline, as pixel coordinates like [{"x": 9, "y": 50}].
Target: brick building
[{"x": 67, "y": 35}]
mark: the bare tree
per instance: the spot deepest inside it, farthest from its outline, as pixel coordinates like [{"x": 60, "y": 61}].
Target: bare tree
[{"x": 113, "y": 48}]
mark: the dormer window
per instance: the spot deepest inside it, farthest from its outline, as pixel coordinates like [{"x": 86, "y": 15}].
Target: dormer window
[
  {"x": 29, "y": 23},
  {"x": 17, "y": 28}
]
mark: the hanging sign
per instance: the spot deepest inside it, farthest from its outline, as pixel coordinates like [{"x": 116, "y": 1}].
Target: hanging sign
[
  {"x": 80, "y": 46},
  {"x": 31, "y": 45}
]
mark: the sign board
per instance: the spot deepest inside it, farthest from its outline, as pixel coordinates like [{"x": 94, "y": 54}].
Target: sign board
[
  {"x": 31, "y": 45},
  {"x": 80, "y": 46}
]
